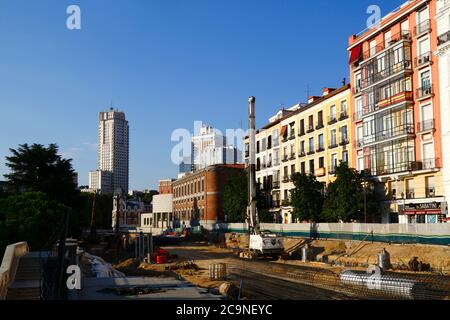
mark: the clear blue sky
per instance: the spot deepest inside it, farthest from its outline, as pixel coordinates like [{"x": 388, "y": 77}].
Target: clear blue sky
[{"x": 164, "y": 63}]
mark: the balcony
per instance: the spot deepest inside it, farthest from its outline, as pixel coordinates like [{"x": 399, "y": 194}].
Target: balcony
[
  {"x": 276, "y": 184},
  {"x": 401, "y": 36},
  {"x": 319, "y": 125},
  {"x": 358, "y": 115},
  {"x": 343, "y": 115},
  {"x": 310, "y": 129},
  {"x": 423, "y": 60},
  {"x": 425, "y": 126},
  {"x": 359, "y": 143},
  {"x": 311, "y": 152},
  {"x": 302, "y": 154},
  {"x": 292, "y": 135},
  {"x": 332, "y": 119},
  {"x": 395, "y": 69},
  {"x": 404, "y": 96},
  {"x": 285, "y": 179},
  {"x": 386, "y": 169},
  {"x": 285, "y": 158},
  {"x": 292, "y": 157},
  {"x": 430, "y": 164},
  {"x": 286, "y": 203},
  {"x": 344, "y": 142},
  {"x": 285, "y": 139},
  {"x": 301, "y": 133},
  {"x": 422, "y": 28},
  {"x": 320, "y": 172},
  {"x": 332, "y": 170},
  {"x": 444, "y": 38},
  {"x": 396, "y": 132},
  {"x": 430, "y": 192},
  {"x": 333, "y": 145},
  {"x": 425, "y": 92},
  {"x": 320, "y": 148},
  {"x": 410, "y": 194}
]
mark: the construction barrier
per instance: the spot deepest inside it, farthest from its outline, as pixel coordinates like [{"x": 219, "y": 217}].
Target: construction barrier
[{"x": 438, "y": 234}]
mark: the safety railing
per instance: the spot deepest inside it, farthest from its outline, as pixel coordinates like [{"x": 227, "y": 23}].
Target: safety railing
[{"x": 9, "y": 265}]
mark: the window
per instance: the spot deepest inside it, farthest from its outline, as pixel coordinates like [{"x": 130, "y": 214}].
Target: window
[
  {"x": 321, "y": 146},
  {"x": 269, "y": 142},
  {"x": 344, "y": 108},
  {"x": 257, "y": 147},
  {"x": 373, "y": 47},
  {"x": 293, "y": 169},
  {"x": 344, "y": 136},
  {"x": 302, "y": 147},
  {"x": 360, "y": 164},
  {"x": 311, "y": 144},
  {"x": 333, "y": 138},
  {"x": 321, "y": 162},
  {"x": 333, "y": 113},
  {"x": 311, "y": 122},
  {"x": 303, "y": 167},
  {"x": 425, "y": 79},
  {"x": 302, "y": 126},
  {"x": 320, "y": 119},
  {"x": 345, "y": 156},
  {"x": 334, "y": 162},
  {"x": 311, "y": 166},
  {"x": 387, "y": 38}
]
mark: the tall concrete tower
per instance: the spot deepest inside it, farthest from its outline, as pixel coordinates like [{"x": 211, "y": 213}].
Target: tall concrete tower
[{"x": 113, "y": 148}]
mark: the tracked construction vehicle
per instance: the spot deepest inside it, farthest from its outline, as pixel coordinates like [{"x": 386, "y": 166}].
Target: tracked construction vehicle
[{"x": 261, "y": 243}]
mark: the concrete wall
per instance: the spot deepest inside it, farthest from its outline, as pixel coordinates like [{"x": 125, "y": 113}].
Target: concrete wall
[
  {"x": 163, "y": 203},
  {"x": 399, "y": 233}
]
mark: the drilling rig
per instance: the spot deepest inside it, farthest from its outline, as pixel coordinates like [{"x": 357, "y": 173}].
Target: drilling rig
[{"x": 261, "y": 243}]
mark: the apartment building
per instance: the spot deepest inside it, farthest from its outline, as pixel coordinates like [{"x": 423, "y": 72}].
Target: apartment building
[
  {"x": 397, "y": 111},
  {"x": 268, "y": 160},
  {"x": 197, "y": 197},
  {"x": 314, "y": 140},
  {"x": 442, "y": 54}
]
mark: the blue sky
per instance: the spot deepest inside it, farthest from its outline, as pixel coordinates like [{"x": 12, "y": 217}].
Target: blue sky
[{"x": 165, "y": 63}]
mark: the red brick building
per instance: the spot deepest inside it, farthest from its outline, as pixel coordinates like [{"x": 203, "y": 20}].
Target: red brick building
[
  {"x": 198, "y": 196},
  {"x": 165, "y": 186}
]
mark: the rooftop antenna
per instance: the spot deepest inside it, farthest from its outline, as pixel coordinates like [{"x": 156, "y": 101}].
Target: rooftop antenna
[
  {"x": 307, "y": 91},
  {"x": 344, "y": 81}
]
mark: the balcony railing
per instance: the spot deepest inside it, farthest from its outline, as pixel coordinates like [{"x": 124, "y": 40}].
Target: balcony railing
[
  {"x": 276, "y": 203},
  {"x": 423, "y": 60},
  {"x": 359, "y": 143},
  {"x": 319, "y": 125},
  {"x": 386, "y": 169},
  {"x": 424, "y": 92},
  {"x": 310, "y": 152},
  {"x": 310, "y": 129},
  {"x": 332, "y": 119},
  {"x": 332, "y": 170},
  {"x": 286, "y": 203},
  {"x": 285, "y": 158},
  {"x": 404, "y": 96},
  {"x": 344, "y": 142},
  {"x": 422, "y": 28},
  {"x": 302, "y": 154},
  {"x": 302, "y": 132},
  {"x": 444, "y": 38},
  {"x": 427, "y": 125},
  {"x": 285, "y": 179},
  {"x": 400, "y": 36},
  {"x": 343, "y": 115},
  {"x": 358, "y": 115},
  {"x": 292, "y": 135},
  {"x": 333, "y": 145},
  {"x": 396, "y": 68},
  {"x": 276, "y": 184},
  {"x": 404, "y": 129},
  {"x": 292, "y": 157},
  {"x": 430, "y": 164},
  {"x": 285, "y": 139},
  {"x": 320, "y": 148}
]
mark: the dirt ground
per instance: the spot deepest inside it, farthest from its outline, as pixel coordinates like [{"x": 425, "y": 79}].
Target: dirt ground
[{"x": 359, "y": 254}]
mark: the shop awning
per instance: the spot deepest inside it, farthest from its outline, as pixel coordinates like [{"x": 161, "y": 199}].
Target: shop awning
[{"x": 355, "y": 53}]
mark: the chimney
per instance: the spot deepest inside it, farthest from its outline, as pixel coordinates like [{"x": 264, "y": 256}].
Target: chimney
[
  {"x": 327, "y": 91},
  {"x": 311, "y": 99}
]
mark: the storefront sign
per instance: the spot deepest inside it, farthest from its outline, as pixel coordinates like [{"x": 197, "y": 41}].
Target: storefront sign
[{"x": 423, "y": 208}]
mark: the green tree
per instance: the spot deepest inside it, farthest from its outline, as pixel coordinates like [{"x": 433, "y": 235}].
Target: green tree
[
  {"x": 30, "y": 217},
  {"x": 235, "y": 200},
  {"x": 348, "y": 196},
  {"x": 41, "y": 169},
  {"x": 147, "y": 198},
  {"x": 307, "y": 197}
]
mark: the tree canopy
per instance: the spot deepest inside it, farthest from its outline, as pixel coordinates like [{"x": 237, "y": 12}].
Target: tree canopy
[
  {"x": 41, "y": 169},
  {"x": 307, "y": 197}
]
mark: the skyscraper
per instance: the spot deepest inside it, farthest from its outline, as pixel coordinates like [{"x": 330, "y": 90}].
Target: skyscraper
[{"x": 113, "y": 151}]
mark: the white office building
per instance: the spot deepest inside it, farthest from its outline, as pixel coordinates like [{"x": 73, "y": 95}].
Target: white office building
[
  {"x": 113, "y": 153},
  {"x": 209, "y": 147}
]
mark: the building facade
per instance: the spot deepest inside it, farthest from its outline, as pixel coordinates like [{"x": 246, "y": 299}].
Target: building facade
[
  {"x": 166, "y": 186},
  {"x": 209, "y": 147},
  {"x": 113, "y": 149},
  {"x": 442, "y": 54},
  {"x": 100, "y": 181},
  {"x": 314, "y": 140},
  {"x": 397, "y": 112},
  {"x": 197, "y": 197}
]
